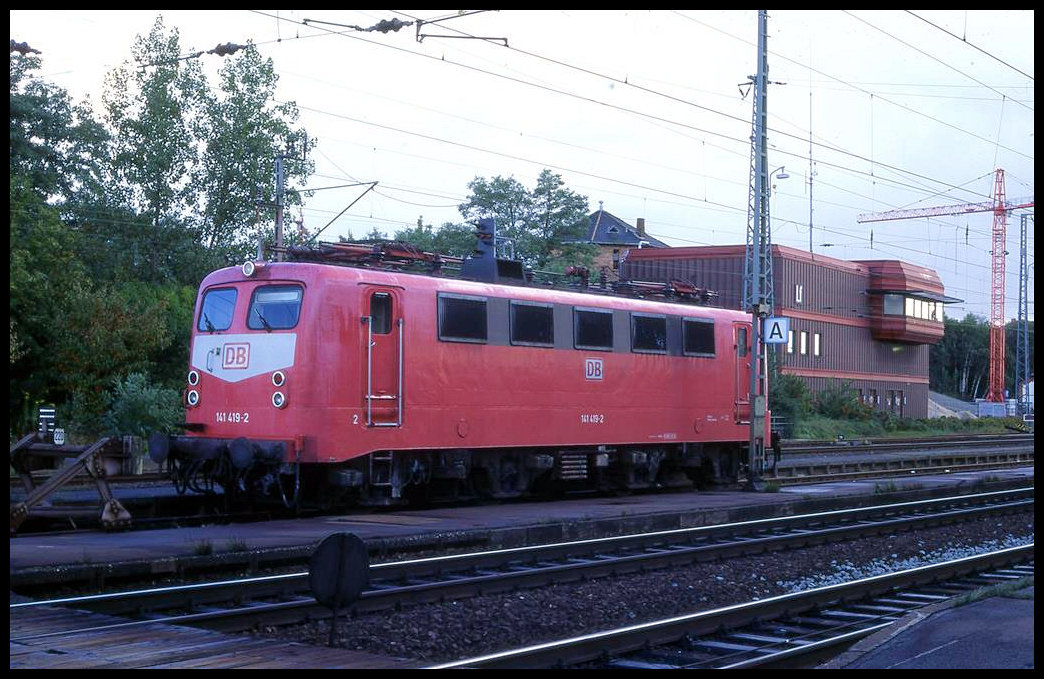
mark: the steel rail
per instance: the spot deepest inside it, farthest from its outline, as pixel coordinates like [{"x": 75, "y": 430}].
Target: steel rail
[
  {"x": 591, "y": 647},
  {"x": 433, "y": 578},
  {"x": 434, "y": 566},
  {"x": 881, "y": 445},
  {"x": 791, "y": 475}
]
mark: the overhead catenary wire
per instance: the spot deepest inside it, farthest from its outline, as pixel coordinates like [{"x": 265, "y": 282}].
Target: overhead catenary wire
[
  {"x": 734, "y": 139},
  {"x": 973, "y": 46}
]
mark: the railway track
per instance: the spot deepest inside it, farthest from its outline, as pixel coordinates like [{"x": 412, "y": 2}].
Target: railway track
[
  {"x": 241, "y": 604},
  {"x": 773, "y": 631},
  {"x": 818, "y": 463},
  {"x": 854, "y": 460},
  {"x": 905, "y": 444}
]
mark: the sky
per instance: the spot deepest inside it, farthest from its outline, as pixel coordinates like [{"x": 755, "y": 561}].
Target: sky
[{"x": 647, "y": 113}]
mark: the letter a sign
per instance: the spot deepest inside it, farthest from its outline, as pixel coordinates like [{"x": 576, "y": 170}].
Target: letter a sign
[{"x": 776, "y": 330}]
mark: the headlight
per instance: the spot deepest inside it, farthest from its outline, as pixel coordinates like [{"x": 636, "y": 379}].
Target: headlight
[
  {"x": 250, "y": 268},
  {"x": 278, "y": 399},
  {"x": 193, "y": 398}
]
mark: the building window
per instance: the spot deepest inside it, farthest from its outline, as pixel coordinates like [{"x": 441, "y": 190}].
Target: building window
[
  {"x": 616, "y": 259},
  {"x": 799, "y": 293},
  {"x": 912, "y": 307},
  {"x": 815, "y": 344},
  {"x": 790, "y": 341},
  {"x": 893, "y": 305},
  {"x": 804, "y": 343},
  {"x": 922, "y": 308}
]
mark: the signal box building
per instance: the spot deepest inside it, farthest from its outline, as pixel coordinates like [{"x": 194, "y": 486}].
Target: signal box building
[{"x": 868, "y": 323}]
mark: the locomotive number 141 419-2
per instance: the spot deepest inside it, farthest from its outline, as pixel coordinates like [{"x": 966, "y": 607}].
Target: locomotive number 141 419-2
[
  {"x": 232, "y": 418},
  {"x": 592, "y": 418}
]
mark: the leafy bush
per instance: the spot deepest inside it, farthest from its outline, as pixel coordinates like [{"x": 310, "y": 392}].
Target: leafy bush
[
  {"x": 84, "y": 415},
  {"x": 839, "y": 400},
  {"x": 139, "y": 408},
  {"x": 790, "y": 399}
]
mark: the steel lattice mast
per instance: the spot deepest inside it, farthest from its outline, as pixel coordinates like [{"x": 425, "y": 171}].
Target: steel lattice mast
[
  {"x": 757, "y": 276},
  {"x": 1000, "y": 233}
]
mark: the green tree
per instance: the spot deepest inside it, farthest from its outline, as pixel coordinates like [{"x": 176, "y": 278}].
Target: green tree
[
  {"x": 244, "y": 130},
  {"x": 544, "y": 224},
  {"x": 1011, "y": 353},
  {"x": 57, "y": 148},
  {"x": 454, "y": 240},
  {"x": 959, "y": 364},
  {"x": 560, "y": 225},
  {"x": 43, "y": 271},
  {"x": 840, "y": 401},
  {"x": 155, "y": 108},
  {"x": 790, "y": 399},
  {"x": 112, "y": 230}
]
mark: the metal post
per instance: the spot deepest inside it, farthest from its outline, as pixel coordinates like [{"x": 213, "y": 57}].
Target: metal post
[
  {"x": 401, "y": 396},
  {"x": 279, "y": 208},
  {"x": 369, "y": 370}
]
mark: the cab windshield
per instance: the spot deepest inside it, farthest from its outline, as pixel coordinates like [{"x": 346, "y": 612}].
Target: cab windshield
[
  {"x": 215, "y": 312},
  {"x": 274, "y": 307}
]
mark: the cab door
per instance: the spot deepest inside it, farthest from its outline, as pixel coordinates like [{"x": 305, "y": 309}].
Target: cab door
[
  {"x": 382, "y": 338},
  {"x": 741, "y": 390}
]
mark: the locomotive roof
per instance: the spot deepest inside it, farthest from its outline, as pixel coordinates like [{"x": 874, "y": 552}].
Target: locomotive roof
[{"x": 637, "y": 295}]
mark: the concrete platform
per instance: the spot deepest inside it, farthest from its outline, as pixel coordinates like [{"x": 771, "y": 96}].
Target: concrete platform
[
  {"x": 500, "y": 525},
  {"x": 994, "y": 633}
]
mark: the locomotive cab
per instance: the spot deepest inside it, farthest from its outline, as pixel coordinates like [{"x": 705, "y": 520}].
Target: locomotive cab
[
  {"x": 239, "y": 387},
  {"x": 310, "y": 381}
]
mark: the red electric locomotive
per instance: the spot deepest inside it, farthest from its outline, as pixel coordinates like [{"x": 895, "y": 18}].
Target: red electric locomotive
[{"x": 321, "y": 383}]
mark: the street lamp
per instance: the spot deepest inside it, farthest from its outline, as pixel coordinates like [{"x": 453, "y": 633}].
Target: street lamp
[
  {"x": 779, "y": 173},
  {"x": 761, "y": 301}
]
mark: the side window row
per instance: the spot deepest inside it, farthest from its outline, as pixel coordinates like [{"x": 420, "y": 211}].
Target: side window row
[{"x": 464, "y": 318}]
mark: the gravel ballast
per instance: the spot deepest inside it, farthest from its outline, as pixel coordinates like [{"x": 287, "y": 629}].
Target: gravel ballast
[{"x": 472, "y": 627}]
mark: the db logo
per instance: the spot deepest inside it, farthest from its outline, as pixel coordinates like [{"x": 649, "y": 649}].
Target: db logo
[
  {"x": 593, "y": 368},
  {"x": 235, "y": 356}
]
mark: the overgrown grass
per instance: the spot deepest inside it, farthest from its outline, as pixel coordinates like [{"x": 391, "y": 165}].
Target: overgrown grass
[
  {"x": 237, "y": 545},
  {"x": 203, "y": 547},
  {"x": 881, "y": 488},
  {"x": 1011, "y": 589},
  {"x": 817, "y": 427}
]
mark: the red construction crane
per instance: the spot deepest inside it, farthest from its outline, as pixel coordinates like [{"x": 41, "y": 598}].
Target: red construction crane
[{"x": 1000, "y": 208}]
